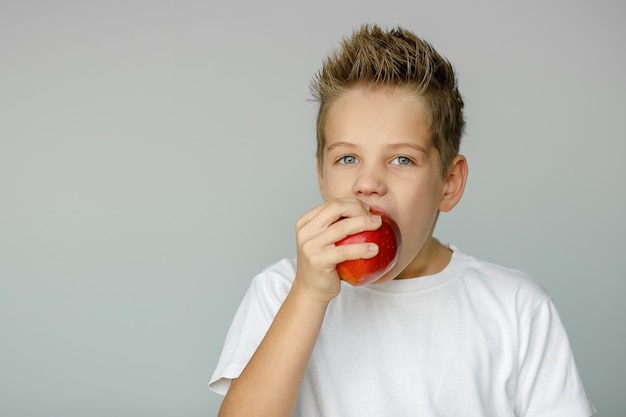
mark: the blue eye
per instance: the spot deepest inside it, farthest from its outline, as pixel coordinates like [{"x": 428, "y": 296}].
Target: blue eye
[
  {"x": 347, "y": 159},
  {"x": 402, "y": 160}
]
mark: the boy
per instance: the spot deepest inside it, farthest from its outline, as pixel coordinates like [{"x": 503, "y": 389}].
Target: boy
[{"x": 442, "y": 333}]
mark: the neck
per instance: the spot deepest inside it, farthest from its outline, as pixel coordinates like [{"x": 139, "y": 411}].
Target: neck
[{"x": 431, "y": 259}]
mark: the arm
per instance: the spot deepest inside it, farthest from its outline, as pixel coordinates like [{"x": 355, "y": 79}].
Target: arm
[
  {"x": 270, "y": 382},
  {"x": 549, "y": 382}
]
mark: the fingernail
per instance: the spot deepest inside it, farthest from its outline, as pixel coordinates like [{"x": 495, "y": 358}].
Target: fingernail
[
  {"x": 372, "y": 247},
  {"x": 375, "y": 218}
]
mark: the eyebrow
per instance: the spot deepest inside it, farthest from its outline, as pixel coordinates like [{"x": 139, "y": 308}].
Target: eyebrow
[
  {"x": 415, "y": 146},
  {"x": 338, "y": 145}
]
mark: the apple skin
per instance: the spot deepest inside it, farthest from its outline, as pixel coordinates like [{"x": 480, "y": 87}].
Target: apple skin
[{"x": 389, "y": 240}]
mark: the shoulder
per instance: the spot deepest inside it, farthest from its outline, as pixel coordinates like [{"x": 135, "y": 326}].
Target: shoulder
[
  {"x": 266, "y": 293},
  {"x": 511, "y": 285},
  {"x": 275, "y": 280},
  {"x": 498, "y": 275},
  {"x": 284, "y": 267}
]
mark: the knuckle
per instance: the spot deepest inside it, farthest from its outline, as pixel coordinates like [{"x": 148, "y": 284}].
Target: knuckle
[
  {"x": 335, "y": 205},
  {"x": 300, "y": 223},
  {"x": 306, "y": 247}
]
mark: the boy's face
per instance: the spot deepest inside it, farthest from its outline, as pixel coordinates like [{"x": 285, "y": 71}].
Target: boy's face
[{"x": 379, "y": 149}]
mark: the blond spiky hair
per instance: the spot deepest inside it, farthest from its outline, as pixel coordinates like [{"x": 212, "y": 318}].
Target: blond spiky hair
[{"x": 373, "y": 57}]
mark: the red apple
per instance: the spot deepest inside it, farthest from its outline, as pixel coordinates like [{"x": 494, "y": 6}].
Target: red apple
[{"x": 389, "y": 241}]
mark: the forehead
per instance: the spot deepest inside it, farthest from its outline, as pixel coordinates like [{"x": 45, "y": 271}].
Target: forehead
[{"x": 380, "y": 115}]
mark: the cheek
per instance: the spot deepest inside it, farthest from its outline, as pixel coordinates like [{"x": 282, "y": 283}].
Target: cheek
[
  {"x": 332, "y": 186},
  {"x": 327, "y": 189},
  {"x": 419, "y": 217},
  {"x": 323, "y": 182}
]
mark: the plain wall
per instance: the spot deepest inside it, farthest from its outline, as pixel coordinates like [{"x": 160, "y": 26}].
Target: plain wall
[{"x": 155, "y": 155}]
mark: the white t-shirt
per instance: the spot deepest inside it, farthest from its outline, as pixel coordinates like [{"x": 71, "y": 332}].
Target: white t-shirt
[{"x": 473, "y": 340}]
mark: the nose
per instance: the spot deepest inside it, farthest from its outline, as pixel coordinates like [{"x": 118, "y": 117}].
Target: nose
[{"x": 370, "y": 180}]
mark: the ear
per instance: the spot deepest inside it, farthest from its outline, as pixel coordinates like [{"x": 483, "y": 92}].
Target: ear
[{"x": 454, "y": 183}]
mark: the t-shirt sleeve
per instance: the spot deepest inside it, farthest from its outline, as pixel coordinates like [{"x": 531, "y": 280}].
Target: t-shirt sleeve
[
  {"x": 549, "y": 383},
  {"x": 253, "y": 318}
]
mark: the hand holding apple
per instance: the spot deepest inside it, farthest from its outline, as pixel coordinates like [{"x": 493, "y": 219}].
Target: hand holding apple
[{"x": 389, "y": 241}]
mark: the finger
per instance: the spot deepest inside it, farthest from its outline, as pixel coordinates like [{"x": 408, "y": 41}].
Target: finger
[
  {"x": 328, "y": 257},
  {"x": 327, "y": 239},
  {"x": 306, "y": 217},
  {"x": 318, "y": 219},
  {"x": 352, "y": 225},
  {"x": 334, "y": 210},
  {"x": 352, "y": 251}
]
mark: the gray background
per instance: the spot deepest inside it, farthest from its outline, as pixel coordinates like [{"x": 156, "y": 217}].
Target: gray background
[{"x": 155, "y": 155}]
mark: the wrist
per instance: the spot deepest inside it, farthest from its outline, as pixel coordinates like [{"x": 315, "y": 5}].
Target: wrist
[{"x": 310, "y": 297}]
